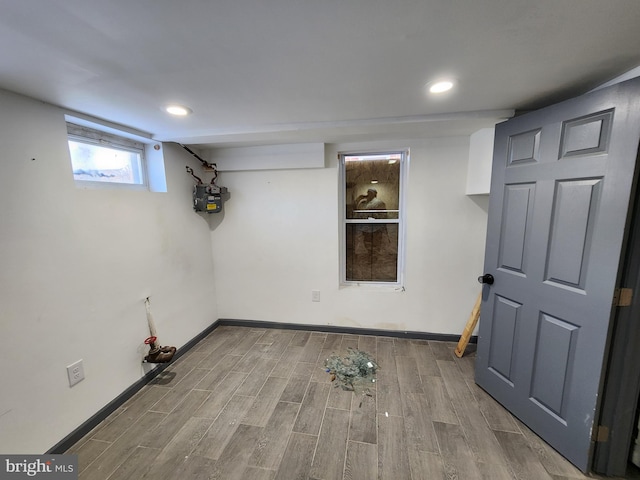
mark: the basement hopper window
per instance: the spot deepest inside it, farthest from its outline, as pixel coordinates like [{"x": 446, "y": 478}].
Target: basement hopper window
[
  {"x": 373, "y": 218},
  {"x": 102, "y": 158}
]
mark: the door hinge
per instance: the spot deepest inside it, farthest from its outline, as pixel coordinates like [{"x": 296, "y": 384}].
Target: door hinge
[
  {"x": 602, "y": 434},
  {"x": 622, "y": 297}
]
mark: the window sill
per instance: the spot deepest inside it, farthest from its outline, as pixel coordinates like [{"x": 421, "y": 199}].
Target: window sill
[
  {"x": 373, "y": 287},
  {"x": 89, "y": 185}
]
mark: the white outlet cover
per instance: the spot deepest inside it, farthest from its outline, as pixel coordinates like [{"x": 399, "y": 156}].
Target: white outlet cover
[{"x": 75, "y": 372}]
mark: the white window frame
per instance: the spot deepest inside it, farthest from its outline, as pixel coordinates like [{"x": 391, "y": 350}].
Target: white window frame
[
  {"x": 91, "y": 136},
  {"x": 401, "y": 220}
]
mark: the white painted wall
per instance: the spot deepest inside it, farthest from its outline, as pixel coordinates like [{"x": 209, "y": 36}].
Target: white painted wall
[
  {"x": 268, "y": 157},
  {"x": 75, "y": 268},
  {"x": 279, "y": 240}
]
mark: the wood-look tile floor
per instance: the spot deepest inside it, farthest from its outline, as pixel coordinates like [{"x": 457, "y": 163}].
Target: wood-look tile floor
[{"x": 249, "y": 403}]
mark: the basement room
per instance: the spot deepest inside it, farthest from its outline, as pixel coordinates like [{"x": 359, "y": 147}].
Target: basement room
[{"x": 320, "y": 240}]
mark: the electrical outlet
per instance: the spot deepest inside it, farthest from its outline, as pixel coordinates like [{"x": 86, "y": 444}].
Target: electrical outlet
[
  {"x": 315, "y": 295},
  {"x": 75, "y": 372}
]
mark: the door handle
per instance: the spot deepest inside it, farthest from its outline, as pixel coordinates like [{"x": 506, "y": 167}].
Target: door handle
[{"x": 486, "y": 278}]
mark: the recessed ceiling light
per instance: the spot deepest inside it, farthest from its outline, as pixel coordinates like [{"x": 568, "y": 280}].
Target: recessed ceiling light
[
  {"x": 374, "y": 181},
  {"x": 441, "y": 86},
  {"x": 178, "y": 110}
]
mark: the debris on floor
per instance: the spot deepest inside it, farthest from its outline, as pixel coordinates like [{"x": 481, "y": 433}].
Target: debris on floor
[{"x": 356, "y": 370}]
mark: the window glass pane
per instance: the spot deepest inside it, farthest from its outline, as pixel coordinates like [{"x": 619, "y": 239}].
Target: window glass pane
[
  {"x": 372, "y": 219},
  {"x": 99, "y": 163},
  {"x": 372, "y": 186},
  {"x": 372, "y": 252}
]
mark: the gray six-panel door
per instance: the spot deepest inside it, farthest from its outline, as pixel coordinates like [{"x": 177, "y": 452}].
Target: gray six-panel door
[{"x": 560, "y": 190}]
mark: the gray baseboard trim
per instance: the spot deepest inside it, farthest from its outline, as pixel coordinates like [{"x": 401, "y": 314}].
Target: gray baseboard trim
[
  {"x": 71, "y": 439},
  {"x": 442, "y": 337}
]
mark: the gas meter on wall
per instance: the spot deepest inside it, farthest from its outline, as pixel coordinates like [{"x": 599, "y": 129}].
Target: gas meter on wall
[{"x": 208, "y": 198}]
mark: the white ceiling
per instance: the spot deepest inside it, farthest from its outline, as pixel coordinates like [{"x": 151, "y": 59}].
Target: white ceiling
[{"x": 285, "y": 71}]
